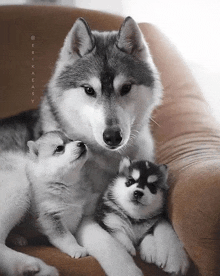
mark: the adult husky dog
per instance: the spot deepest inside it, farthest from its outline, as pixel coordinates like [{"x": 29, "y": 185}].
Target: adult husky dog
[{"x": 102, "y": 92}]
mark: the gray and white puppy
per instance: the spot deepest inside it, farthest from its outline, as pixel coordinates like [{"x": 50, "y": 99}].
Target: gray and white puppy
[{"x": 59, "y": 190}]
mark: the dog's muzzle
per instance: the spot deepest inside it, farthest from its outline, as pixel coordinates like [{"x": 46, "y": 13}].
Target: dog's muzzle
[
  {"x": 81, "y": 148},
  {"x": 112, "y": 137},
  {"x": 138, "y": 195}
]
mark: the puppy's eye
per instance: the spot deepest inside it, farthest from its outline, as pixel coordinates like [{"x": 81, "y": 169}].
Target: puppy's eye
[
  {"x": 152, "y": 187},
  {"x": 130, "y": 181},
  {"x": 59, "y": 149},
  {"x": 89, "y": 91},
  {"x": 125, "y": 89}
]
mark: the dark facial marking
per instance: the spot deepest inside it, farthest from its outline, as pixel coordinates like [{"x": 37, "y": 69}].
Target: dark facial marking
[
  {"x": 106, "y": 62},
  {"x": 145, "y": 172},
  {"x": 130, "y": 181},
  {"x": 107, "y": 78}
]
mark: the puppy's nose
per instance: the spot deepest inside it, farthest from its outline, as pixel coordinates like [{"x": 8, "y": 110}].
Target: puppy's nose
[
  {"x": 138, "y": 194},
  {"x": 81, "y": 145},
  {"x": 112, "y": 136}
]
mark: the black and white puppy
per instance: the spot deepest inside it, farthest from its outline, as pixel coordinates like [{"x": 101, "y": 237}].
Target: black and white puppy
[{"x": 134, "y": 202}]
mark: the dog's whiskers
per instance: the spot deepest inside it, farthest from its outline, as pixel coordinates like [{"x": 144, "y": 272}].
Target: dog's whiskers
[{"x": 155, "y": 122}]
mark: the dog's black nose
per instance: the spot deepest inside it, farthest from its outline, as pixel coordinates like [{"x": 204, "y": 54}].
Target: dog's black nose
[
  {"x": 81, "y": 145},
  {"x": 138, "y": 194},
  {"x": 112, "y": 136}
]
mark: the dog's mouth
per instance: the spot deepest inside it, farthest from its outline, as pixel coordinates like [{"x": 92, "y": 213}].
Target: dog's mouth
[
  {"x": 136, "y": 202},
  {"x": 113, "y": 148},
  {"x": 118, "y": 147},
  {"x": 81, "y": 153}
]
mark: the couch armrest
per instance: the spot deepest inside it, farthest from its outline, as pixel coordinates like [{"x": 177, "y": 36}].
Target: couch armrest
[
  {"x": 195, "y": 212},
  {"x": 188, "y": 140}
]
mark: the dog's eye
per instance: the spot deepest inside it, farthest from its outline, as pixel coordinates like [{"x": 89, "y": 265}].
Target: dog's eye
[
  {"x": 130, "y": 181},
  {"x": 152, "y": 187},
  {"x": 125, "y": 89},
  {"x": 59, "y": 149},
  {"x": 89, "y": 91}
]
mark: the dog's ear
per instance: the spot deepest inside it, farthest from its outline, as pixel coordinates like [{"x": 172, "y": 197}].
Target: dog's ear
[
  {"x": 124, "y": 166},
  {"x": 130, "y": 39},
  {"x": 79, "y": 40},
  {"x": 33, "y": 149}
]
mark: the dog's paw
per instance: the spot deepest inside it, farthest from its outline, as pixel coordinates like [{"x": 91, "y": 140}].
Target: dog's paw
[
  {"x": 177, "y": 261},
  {"x": 34, "y": 266},
  {"x": 130, "y": 248},
  {"x": 148, "y": 249},
  {"x": 125, "y": 241},
  {"x": 77, "y": 252},
  {"x": 170, "y": 254}
]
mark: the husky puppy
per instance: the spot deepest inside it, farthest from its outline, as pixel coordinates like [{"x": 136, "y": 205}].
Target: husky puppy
[
  {"x": 102, "y": 92},
  {"x": 59, "y": 190},
  {"x": 134, "y": 202}
]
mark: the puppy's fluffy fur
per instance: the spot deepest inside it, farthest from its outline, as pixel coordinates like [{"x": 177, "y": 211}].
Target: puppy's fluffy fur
[
  {"x": 59, "y": 190},
  {"x": 134, "y": 202}
]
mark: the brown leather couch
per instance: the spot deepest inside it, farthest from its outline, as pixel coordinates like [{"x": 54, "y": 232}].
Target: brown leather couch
[{"x": 187, "y": 136}]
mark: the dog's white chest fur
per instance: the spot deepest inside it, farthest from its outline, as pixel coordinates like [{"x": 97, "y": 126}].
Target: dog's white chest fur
[{"x": 134, "y": 231}]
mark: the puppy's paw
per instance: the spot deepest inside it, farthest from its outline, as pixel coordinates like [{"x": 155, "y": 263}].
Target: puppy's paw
[
  {"x": 34, "y": 266},
  {"x": 170, "y": 254},
  {"x": 148, "y": 249},
  {"x": 77, "y": 252},
  {"x": 130, "y": 248},
  {"x": 125, "y": 241},
  {"x": 177, "y": 261}
]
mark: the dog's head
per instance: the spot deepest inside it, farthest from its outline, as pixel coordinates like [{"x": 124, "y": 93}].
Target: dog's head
[
  {"x": 105, "y": 85},
  {"x": 140, "y": 188},
  {"x": 54, "y": 157}
]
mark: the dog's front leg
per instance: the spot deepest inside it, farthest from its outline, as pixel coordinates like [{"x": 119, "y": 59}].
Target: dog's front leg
[
  {"x": 165, "y": 249},
  {"x": 13, "y": 263},
  {"x": 58, "y": 234},
  {"x": 124, "y": 240},
  {"x": 111, "y": 255}
]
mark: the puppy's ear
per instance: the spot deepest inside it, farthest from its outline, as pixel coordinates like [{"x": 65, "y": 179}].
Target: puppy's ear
[
  {"x": 130, "y": 39},
  {"x": 33, "y": 149},
  {"x": 79, "y": 40},
  {"x": 164, "y": 169},
  {"x": 124, "y": 166}
]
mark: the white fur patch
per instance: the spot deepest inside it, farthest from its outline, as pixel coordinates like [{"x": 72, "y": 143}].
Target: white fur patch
[
  {"x": 125, "y": 163},
  {"x": 122, "y": 195},
  {"x": 170, "y": 253},
  {"x": 135, "y": 174},
  {"x": 118, "y": 82},
  {"x": 95, "y": 83},
  {"x": 114, "y": 221},
  {"x": 152, "y": 178}
]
